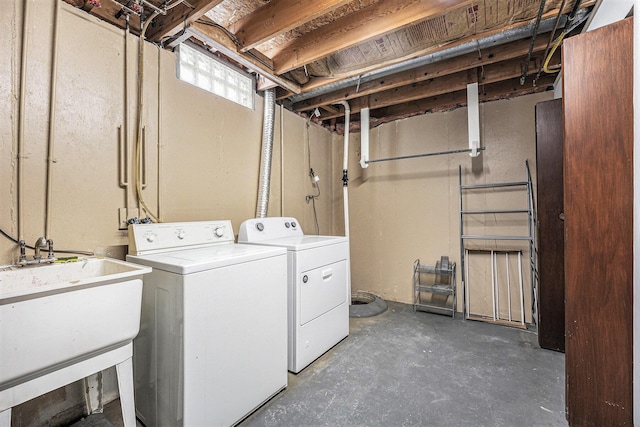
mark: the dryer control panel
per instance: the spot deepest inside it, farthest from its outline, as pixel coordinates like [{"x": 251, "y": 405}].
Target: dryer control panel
[
  {"x": 261, "y": 229},
  {"x": 164, "y": 236}
]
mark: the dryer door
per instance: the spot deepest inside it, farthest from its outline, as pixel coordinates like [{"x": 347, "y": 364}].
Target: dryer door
[{"x": 322, "y": 289}]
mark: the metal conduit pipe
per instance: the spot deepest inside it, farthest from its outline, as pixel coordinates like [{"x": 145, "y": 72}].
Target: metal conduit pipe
[
  {"x": 468, "y": 47},
  {"x": 267, "y": 151}
]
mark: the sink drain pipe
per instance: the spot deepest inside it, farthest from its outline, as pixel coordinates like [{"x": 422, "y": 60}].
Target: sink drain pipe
[
  {"x": 345, "y": 187},
  {"x": 267, "y": 151}
]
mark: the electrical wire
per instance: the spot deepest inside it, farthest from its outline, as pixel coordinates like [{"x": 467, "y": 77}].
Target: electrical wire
[
  {"x": 557, "y": 43},
  {"x": 64, "y": 251},
  {"x": 545, "y": 66}
]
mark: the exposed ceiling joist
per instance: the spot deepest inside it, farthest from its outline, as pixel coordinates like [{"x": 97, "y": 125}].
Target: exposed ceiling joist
[
  {"x": 425, "y": 72},
  {"x": 365, "y": 24},
  {"x": 277, "y": 17},
  {"x": 493, "y": 73},
  {"x": 387, "y": 55},
  {"x": 169, "y": 24}
]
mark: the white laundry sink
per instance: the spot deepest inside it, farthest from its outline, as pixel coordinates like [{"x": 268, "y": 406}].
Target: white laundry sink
[{"x": 59, "y": 322}]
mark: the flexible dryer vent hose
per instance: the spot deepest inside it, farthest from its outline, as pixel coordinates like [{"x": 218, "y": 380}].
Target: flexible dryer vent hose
[{"x": 267, "y": 151}]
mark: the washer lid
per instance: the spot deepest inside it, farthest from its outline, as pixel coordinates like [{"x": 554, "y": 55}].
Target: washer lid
[
  {"x": 300, "y": 243},
  {"x": 201, "y": 259}
]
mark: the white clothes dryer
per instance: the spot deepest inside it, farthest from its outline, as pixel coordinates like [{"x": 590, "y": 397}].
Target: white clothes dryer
[
  {"x": 213, "y": 339},
  {"x": 317, "y": 285}
]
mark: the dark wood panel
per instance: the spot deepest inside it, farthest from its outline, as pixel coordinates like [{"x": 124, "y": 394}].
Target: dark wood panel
[
  {"x": 550, "y": 224},
  {"x": 598, "y": 161}
]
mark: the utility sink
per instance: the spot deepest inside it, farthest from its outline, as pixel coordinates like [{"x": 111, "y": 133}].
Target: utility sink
[{"x": 61, "y": 322}]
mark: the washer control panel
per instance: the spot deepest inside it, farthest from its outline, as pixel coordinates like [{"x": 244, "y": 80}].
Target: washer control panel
[
  {"x": 261, "y": 229},
  {"x": 159, "y": 237}
]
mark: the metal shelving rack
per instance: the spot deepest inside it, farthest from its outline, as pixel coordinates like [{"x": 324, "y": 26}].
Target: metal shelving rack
[
  {"x": 437, "y": 280},
  {"x": 531, "y": 237}
]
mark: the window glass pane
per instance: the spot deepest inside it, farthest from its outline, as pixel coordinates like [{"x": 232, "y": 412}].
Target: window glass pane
[{"x": 212, "y": 75}]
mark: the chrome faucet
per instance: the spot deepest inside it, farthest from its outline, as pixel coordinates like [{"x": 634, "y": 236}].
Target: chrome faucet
[
  {"x": 40, "y": 244},
  {"x": 50, "y": 253},
  {"x": 23, "y": 251}
]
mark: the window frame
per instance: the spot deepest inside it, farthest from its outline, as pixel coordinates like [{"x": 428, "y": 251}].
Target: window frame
[{"x": 226, "y": 66}]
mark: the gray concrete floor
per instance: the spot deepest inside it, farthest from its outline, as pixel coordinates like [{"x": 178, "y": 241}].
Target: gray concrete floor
[{"x": 403, "y": 368}]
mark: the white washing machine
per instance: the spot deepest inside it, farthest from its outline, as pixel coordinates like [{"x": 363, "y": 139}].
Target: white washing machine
[
  {"x": 212, "y": 345},
  {"x": 318, "y": 285}
]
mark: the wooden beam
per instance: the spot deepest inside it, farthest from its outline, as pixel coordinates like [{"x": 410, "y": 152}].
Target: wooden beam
[
  {"x": 277, "y": 17},
  {"x": 460, "y": 63},
  {"x": 365, "y": 24},
  {"x": 178, "y": 18},
  {"x": 458, "y": 81},
  {"x": 317, "y": 82}
]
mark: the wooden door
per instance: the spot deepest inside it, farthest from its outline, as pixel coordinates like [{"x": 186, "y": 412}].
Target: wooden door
[
  {"x": 598, "y": 206},
  {"x": 550, "y": 224}
]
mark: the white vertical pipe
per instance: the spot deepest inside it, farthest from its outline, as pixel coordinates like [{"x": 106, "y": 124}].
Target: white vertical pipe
[
  {"x": 20, "y": 153},
  {"x": 521, "y": 290},
  {"x": 508, "y": 284},
  {"x": 466, "y": 282},
  {"x": 636, "y": 211},
  {"x": 281, "y": 159},
  {"x": 52, "y": 119},
  {"x": 493, "y": 286},
  {"x": 345, "y": 187},
  {"x": 473, "y": 114},
  {"x": 364, "y": 137},
  {"x": 495, "y": 260}
]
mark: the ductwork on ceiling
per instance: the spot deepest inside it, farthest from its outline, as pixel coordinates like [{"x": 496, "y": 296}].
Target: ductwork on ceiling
[{"x": 501, "y": 38}]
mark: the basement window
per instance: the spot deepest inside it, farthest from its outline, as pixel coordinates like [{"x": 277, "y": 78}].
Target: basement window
[{"x": 211, "y": 74}]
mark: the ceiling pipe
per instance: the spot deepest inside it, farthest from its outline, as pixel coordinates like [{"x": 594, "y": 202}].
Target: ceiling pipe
[
  {"x": 473, "y": 119},
  {"x": 364, "y": 138},
  {"x": 501, "y": 38}
]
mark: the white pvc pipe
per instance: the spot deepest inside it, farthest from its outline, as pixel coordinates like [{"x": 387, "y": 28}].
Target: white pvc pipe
[
  {"x": 20, "y": 153},
  {"x": 521, "y": 288},
  {"x": 467, "y": 303},
  {"x": 52, "y": 117},
  {"x": 493, "y": 286},
  {"x": 345, "y": 188},
  {"x": 364, "y": 137},
  {"x": 345, "y": 164},
  {"x": 281, "y": 160},
  {"x": 495, "y": 260},
  {"x": 508, "y": 284},
  {"x": 473, "y": 115}
]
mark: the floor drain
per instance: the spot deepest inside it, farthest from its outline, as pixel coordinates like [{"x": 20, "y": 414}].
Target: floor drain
[{"x": 365, "y": 304}]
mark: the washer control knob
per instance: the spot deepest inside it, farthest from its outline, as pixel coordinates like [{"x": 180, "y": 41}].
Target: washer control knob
[
  {"x": 286, "y": 224},
  {"x": 151, "y": 238},
  {"x": 293, "y": 224},
  {"x": 180, "y": 234},
  {"x": 305, "y": 278},
  {"x": 219, "y": 232},
  {"x": 260, "y": 226}
]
